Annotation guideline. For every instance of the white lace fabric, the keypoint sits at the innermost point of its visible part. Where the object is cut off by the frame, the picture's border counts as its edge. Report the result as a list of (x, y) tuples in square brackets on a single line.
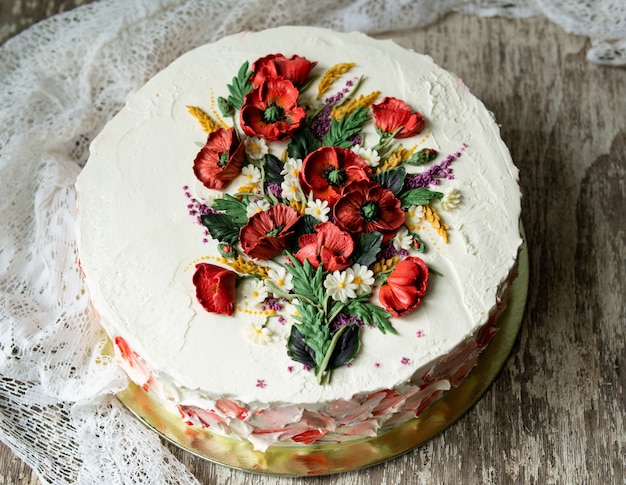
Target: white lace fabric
[(60, 82)]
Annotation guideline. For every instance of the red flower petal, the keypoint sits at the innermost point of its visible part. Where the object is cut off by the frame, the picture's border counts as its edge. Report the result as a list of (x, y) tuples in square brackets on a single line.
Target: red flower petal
[(209, 166), (329, 246), (271, 110), (268, 233), (386, 214), (295, 69), (215, 288), (405, 287), (392, 113), (328, 169)]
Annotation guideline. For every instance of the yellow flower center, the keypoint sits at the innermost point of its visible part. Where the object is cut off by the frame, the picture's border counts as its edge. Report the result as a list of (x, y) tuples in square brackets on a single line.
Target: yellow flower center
[(358, 280)]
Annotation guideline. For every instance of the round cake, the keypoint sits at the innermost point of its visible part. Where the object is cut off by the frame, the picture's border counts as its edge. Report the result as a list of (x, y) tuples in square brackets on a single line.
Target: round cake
[(299, 236)]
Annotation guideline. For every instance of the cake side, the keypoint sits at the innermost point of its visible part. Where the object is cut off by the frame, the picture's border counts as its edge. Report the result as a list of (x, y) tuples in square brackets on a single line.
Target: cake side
[(139, 247)]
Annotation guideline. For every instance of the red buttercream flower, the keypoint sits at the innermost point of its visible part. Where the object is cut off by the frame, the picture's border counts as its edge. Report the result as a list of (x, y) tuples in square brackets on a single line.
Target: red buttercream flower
[(392, 113), (268, 233), (327, 170), (329, 245), (270, 111), (366, 206), (220, 159), (215, 288), (405, 286), (295, 69)]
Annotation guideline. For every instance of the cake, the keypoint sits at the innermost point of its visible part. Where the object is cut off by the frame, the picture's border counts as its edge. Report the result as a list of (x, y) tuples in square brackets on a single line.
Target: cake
[(298, 236)]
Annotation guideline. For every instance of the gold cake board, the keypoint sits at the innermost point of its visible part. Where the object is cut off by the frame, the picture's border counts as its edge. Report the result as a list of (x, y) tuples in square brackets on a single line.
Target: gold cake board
[(329, 458)]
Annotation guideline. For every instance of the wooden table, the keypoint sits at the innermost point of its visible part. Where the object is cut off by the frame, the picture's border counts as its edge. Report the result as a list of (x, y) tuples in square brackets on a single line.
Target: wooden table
[(556, 413)]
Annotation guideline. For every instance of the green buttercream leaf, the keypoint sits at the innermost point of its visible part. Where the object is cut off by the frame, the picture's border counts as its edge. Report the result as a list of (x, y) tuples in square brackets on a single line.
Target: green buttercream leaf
[(392, 179), (367, 248), (222, 228), (342, 132), (419, 196), (346, 347), (372, 315), (240, 87), (421, 157), (302, 143), (272, 166), (233, 207)]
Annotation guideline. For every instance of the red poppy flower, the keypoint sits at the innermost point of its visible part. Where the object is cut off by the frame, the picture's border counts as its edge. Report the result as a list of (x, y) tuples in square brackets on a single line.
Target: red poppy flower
[(405, 286), (327, 170), (220, 159), (296, 69), (268, 233), (329, 245), (215, 288), (366, 206), (392, 113), (270, 111)]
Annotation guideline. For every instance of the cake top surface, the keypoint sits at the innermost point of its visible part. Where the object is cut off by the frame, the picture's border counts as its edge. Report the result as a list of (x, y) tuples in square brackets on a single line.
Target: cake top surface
[(151, 268)]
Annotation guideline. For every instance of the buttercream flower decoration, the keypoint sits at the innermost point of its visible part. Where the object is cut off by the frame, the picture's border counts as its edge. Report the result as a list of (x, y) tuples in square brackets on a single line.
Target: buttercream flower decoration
[(220, 160), (256, 148), (215, 288), (366, 207), (270, 111), (268, 233), (259, 334), (405, 286), (291, 189), (327, 170), (295, 69), (371, 156), (280, 279), (340, 286), (394, 117), (403, 239), (251, 173), (317, 208), (258, 292), (291, 168), (363, 278), (313, 231), (256, 206), (451, 199), (328, 245)]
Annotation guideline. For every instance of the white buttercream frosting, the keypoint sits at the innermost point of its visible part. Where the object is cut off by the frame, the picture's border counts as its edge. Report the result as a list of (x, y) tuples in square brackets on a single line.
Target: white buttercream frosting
[(138, 244)]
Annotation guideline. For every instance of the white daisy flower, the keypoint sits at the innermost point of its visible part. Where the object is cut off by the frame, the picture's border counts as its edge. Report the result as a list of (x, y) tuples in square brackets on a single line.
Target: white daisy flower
[(340, 286), (256, 148), (251, 173), (403, 239), (258, 333), (291, 167), (256, 206), (318, 209), (451, 199), (258, 291), (414, 216), (370, 156), (281, 279), (363, 278), (291, 189)]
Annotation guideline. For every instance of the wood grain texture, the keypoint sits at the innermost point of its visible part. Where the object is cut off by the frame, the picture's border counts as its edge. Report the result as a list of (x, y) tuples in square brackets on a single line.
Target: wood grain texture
[(556, 412)]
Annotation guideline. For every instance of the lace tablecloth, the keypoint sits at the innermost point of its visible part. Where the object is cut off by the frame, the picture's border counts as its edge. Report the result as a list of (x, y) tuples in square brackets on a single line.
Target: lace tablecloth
[(60, 82)]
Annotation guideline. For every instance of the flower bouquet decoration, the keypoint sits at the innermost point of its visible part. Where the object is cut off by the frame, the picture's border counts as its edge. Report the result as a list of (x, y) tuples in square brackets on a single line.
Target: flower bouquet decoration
[(339, 216)]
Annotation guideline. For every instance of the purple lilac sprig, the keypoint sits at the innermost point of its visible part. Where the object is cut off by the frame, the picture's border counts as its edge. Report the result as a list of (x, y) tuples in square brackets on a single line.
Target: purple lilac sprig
[(198, 208), (321, 124), (434, 174), (342, 320)]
